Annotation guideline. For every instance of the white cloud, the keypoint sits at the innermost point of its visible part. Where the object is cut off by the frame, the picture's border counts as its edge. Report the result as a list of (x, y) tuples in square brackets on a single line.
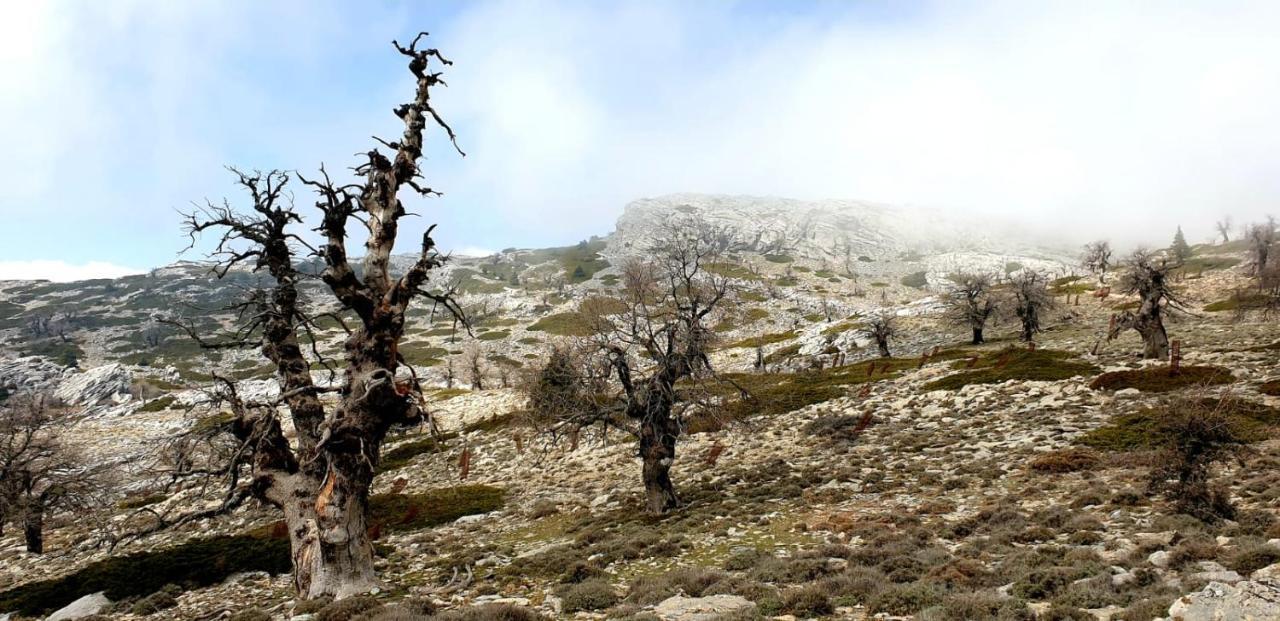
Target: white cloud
[(1101, 118), (473, 251), (61, 271)]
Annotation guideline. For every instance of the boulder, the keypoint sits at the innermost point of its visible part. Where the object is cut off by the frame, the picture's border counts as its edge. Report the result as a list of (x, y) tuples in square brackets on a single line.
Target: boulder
[(708, 608), (1245, 601), (83, 607), (107, 383)]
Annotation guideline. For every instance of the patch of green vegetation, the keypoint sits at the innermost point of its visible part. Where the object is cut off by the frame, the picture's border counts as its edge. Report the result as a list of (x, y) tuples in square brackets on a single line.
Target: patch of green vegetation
[(842, 327), (445, 394), (802, 269), (915, 280), (402, 454), (1159, 379), (405, 512), (1207, 264), (879, 285), (529, 340), (1012, 266), (66, 353), (582, 261), (778, 258), (1014, 363), (783, 353), (496, 335), (421, 355), (196, 563), (779, 393), (785, 281), (1150, 427), (1248, 301), (755, 314), (157, 405), (866, 259), (763, 339), (563, 324), (752, 296)]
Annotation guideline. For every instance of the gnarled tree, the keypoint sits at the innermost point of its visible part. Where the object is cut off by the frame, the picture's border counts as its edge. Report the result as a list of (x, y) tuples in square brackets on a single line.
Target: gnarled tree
[(1031, 299), (1147, 277), (320, 481), (646, 369), (882, 327), (1097, 259), (39, 473), (970, 303)]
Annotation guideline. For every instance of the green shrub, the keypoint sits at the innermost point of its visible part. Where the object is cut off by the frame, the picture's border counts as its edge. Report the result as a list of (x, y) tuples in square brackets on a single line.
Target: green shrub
[(490, 612), (1158, 379), (807, 601), (140, 501), (590, 595), (905, 599), (401, 512), (163, 599), (1066, 460), (916, 280), (347, 609), (197, 563), (762, 340), (402, 454), (159, 404)]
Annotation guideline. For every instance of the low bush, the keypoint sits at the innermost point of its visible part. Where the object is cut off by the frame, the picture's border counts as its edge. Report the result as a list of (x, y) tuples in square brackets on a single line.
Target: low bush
[(807, 601), (1159, 379), (490, 612), (1014, 363), (348, 608), (590, 595), (1066, 460)]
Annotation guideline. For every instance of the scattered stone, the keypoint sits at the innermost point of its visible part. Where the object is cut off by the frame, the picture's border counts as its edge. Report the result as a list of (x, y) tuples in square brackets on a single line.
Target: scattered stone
[(679, 608)]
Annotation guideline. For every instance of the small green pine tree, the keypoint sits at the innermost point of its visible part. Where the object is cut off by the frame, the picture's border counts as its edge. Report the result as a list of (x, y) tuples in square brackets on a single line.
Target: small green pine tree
[(1180, 250)]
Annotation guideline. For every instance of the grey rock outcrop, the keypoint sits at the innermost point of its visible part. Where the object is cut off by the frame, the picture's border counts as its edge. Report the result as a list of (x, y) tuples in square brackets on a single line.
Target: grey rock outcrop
[(1244, 601), (105, 385), (83, 607), (708, 608)]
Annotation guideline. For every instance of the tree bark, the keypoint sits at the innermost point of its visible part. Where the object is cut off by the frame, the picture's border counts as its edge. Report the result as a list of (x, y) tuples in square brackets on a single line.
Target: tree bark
[(33, 524), (1154, 338), (883, 345), (977, 336), (658, 450)]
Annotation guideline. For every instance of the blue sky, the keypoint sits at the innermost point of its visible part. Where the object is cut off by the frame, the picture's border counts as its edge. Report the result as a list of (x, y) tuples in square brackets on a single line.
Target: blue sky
[(1084, 118)]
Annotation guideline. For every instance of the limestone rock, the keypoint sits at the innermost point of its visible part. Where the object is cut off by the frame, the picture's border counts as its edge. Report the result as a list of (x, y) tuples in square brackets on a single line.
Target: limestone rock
[(1245, 601), (83, 607), (708, 608), (107, 384)]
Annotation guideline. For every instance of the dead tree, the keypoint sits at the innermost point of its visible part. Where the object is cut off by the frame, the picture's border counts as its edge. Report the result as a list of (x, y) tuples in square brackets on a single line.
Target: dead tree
[(654, 340), (971, 303), (1261, 237), (1031, 298), (39, 474), (882, 328), (1147, 277), (1223, 227), (320, 481), (1097, 259), (475, 366)]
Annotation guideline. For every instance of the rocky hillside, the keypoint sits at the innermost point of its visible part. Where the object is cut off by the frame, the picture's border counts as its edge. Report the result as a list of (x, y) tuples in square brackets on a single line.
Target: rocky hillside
[(975, 482)]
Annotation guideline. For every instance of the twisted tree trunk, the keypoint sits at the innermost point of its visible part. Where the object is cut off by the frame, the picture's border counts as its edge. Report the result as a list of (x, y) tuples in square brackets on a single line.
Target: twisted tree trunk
[(33, 524), (658, 451)]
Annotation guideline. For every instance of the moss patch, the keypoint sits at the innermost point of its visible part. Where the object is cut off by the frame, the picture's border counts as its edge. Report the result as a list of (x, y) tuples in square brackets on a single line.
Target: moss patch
[(401, 512), (1249, 301), (563, 324), (198, 563), (763, 339), (1158, 379), (1148, 428), (1015, 364)]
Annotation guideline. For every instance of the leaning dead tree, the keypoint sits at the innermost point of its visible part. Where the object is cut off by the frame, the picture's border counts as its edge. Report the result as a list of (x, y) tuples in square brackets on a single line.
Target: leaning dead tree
[(1097, 259), (39, 473), (970, 303), (1147, 277), (320, 481), (646, 369), (1031, 298), (1223, 227), (882, 328)]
